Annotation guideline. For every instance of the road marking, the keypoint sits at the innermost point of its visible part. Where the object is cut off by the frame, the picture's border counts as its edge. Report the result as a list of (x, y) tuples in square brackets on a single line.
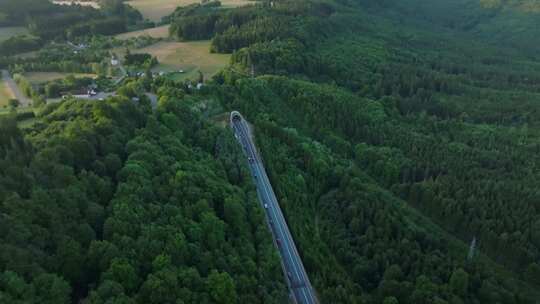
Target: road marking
[(272, 209), (257, 167), (248, 146)]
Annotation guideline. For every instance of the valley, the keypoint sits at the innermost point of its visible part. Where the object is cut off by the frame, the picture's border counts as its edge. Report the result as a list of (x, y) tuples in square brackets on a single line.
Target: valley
[(391, 155)]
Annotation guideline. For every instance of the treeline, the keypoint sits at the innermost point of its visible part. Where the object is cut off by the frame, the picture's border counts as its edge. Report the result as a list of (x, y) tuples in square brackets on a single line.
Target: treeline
[(285, 57), (202, 21), (92, 58), (232, 30), (258, 30), (19, 44), (140, 60), (16, 12), (54, 23), (109, 26), (84, 55), (56, 88)]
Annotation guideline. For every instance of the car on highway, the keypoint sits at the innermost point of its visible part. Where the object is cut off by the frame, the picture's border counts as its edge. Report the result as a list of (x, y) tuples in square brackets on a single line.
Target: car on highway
[(290, 259)]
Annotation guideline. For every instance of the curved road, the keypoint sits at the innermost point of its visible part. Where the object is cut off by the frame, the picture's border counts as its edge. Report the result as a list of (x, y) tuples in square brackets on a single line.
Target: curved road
[(301, 290)]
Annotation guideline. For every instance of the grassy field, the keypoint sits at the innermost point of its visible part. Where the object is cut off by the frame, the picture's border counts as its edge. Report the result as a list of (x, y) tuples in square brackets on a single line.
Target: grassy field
[(190, 57), (156, 32), (93, 4), (27, 55), (155, 9), (41, 77), (5, 94), (7, 32)]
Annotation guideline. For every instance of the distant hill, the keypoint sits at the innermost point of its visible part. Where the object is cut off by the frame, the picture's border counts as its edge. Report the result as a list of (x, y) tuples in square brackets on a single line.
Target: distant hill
[(512, 22), (526, 6)]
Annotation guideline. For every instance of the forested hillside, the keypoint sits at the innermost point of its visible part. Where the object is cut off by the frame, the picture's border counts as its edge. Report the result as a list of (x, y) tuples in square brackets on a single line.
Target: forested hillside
[(91, 209), (392, 140), (503, 23), (447, 124)]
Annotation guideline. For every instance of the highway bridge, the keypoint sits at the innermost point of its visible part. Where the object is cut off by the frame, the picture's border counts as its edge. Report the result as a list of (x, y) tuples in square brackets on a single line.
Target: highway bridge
[(295, 274)]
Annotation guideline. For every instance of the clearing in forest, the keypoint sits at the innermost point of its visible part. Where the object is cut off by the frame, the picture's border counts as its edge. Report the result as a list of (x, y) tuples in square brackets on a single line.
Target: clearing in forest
[(190, 57), (155, 32)]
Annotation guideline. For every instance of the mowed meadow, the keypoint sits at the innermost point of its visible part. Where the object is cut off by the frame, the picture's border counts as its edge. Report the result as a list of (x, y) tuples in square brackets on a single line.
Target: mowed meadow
[(190, 57), (8, 32), (154, 32)]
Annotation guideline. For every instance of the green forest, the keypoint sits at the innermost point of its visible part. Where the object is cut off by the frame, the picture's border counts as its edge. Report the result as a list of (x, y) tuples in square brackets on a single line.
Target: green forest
[(394, 134)]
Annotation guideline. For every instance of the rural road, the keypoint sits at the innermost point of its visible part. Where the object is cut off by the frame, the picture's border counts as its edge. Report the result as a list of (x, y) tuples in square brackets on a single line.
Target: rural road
[(24, 101), (301, 290)]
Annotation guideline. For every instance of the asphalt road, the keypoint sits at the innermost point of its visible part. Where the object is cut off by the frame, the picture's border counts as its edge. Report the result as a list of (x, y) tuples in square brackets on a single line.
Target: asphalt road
[(24, 101), (301, 290)]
